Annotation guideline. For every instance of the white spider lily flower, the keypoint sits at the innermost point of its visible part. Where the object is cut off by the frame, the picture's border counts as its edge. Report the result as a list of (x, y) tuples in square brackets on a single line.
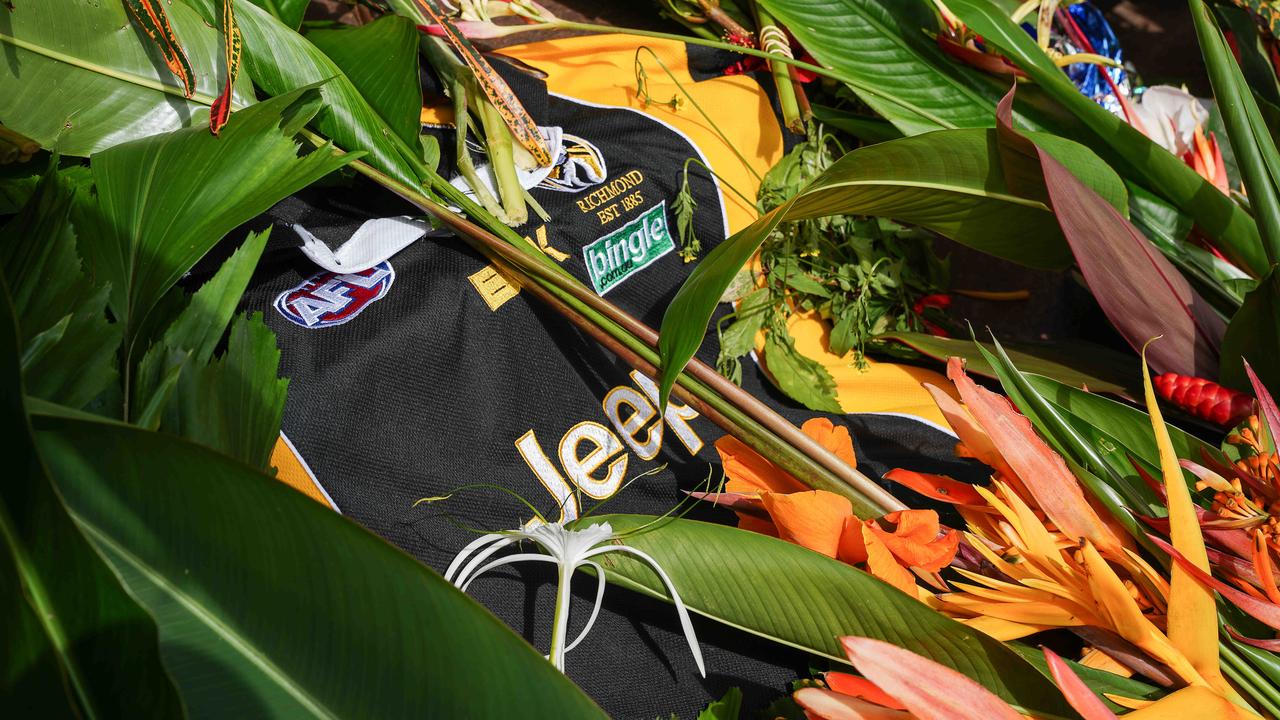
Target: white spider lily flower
[(569, 549), (1170, 116)]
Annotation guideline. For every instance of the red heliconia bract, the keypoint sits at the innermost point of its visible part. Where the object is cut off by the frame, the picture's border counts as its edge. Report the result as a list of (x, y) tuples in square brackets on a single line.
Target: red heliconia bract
[(1204, 399)]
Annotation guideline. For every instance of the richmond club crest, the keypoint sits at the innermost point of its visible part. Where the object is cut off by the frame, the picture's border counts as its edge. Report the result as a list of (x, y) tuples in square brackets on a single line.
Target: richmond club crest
[(328, 298)]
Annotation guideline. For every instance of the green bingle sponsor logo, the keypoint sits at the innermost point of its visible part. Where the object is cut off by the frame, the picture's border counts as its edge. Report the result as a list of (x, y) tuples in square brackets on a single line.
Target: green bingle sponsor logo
[(628, 250)]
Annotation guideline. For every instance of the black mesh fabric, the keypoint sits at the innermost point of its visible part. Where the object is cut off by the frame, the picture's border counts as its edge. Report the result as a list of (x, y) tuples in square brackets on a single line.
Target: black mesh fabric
[(428, 388)]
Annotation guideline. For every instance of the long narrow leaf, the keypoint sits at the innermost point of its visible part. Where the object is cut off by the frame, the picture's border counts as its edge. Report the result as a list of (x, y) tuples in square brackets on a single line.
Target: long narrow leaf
[(1255, 152), (1142, 294), (272, 605), (1132, 153)]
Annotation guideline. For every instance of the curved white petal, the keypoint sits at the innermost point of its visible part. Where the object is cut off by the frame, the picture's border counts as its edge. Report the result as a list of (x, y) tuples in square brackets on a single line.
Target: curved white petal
[(595, 610), (465, 575), (685, 624), (470, 548), (506, 560)]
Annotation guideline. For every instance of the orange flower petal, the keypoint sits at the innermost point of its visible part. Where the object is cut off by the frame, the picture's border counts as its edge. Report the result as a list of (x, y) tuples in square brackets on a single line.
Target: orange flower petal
[(852, 548), (1044, 474), (882, 564), (822, 704), (832, 437), (860, 687), (937, 487), (748, 472), (915, 542), (814, 519), (976, 441)]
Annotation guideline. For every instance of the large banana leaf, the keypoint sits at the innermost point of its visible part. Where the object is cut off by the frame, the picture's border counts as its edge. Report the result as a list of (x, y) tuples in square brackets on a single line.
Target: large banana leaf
[(162, 202), (901, 74), (950, 181), (289, 12), (79, 75), (381, 60), (270, 605), (75, 644), (1131, 152), (280, 61), (804, 599)]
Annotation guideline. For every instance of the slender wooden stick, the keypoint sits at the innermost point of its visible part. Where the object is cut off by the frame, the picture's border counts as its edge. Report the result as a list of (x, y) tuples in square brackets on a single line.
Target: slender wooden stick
[(818, 466)]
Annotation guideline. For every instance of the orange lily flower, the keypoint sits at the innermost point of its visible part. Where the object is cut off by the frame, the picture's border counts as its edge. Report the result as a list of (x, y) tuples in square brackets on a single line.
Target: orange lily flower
[(770, 501)]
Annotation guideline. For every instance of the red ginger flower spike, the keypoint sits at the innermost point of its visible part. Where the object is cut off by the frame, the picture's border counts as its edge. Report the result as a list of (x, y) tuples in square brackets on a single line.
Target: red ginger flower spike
[(1204, 399)]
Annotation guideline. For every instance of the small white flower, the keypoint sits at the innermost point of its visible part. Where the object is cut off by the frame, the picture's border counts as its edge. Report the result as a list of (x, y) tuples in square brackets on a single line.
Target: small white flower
[(1170, 116), (569, 549)]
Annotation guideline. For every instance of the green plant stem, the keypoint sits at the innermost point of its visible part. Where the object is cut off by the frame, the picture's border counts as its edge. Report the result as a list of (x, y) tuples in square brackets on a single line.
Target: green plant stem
[(1239, 671), (1255, 152), (787, 99), (560, 626), (502, 162)]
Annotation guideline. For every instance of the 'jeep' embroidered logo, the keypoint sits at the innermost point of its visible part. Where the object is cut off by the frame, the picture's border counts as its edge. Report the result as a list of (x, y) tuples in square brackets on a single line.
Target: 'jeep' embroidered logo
[(628, 250), (328, 298)]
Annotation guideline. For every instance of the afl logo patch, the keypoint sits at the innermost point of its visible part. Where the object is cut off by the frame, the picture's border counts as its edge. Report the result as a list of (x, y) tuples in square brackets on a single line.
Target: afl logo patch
[(328, 298)]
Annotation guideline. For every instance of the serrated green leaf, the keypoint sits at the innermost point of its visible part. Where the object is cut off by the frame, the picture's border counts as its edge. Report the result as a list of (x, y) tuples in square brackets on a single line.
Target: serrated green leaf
[(801, 378), (42, 267), (162, 202)]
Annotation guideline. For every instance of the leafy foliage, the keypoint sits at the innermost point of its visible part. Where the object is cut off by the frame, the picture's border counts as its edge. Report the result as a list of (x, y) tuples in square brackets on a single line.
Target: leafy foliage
[(112, 86), (272, 605), (730, 575), (67, 621), (951, 182), (69, 347)]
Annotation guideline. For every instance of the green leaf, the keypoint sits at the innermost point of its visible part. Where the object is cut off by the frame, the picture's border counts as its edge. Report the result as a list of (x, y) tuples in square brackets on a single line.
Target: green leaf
[(1076, 363), (901, 73), (272, 605), (61, 311), (797, 597), (164, 201), (1127, 149), (801, 378), (75, 643), (1251, 143), (111, 85), (381, 61), (1100, 681), (1218, 281), (867, 129), (728, 707), (949, 181), (235, 403), (289, 12), (1254, 335), (281, 61)]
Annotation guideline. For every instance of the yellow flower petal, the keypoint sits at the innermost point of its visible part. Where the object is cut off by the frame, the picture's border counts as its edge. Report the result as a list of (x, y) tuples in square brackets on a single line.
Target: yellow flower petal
[(1193, 615), (1191, 702)]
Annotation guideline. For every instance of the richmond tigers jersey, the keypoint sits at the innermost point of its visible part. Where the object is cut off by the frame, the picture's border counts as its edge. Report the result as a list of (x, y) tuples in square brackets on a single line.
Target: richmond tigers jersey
[(430, 370)]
